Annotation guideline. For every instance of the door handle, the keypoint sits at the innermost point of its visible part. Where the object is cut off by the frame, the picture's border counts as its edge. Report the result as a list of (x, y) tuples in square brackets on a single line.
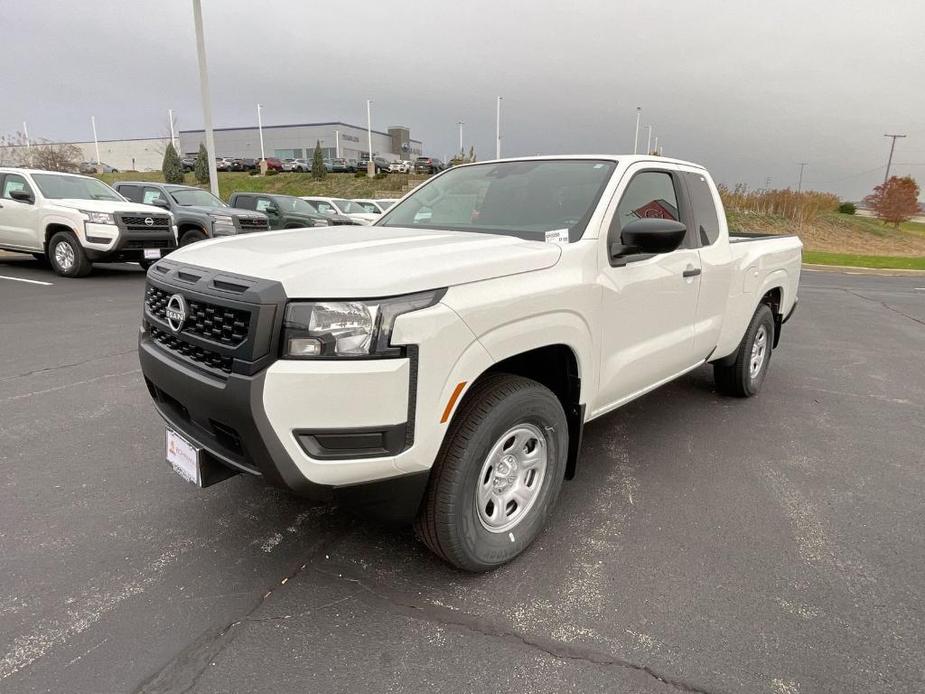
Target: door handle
[(691, 272)]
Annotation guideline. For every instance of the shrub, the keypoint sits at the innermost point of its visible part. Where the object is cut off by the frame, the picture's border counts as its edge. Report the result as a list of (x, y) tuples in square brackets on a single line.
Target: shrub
[(847, 208), (172, 168), (784, 203), (201, 169), (318, 169), (380, 176), (272, 172), (360, 174)]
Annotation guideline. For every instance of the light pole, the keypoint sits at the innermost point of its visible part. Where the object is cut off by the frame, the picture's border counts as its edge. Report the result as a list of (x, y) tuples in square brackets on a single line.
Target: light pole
[(263, 157), (370, 166), (498, 131), (636, 138), (337, 143), (800, 183), (25, 132), (173, 137), (96, 144), (889, 162), (656, 145), (206, 100), (460, 124), (649, 142)]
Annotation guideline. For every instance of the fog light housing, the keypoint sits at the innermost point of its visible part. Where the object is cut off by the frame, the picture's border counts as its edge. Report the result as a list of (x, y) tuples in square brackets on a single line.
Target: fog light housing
[(304, 347)]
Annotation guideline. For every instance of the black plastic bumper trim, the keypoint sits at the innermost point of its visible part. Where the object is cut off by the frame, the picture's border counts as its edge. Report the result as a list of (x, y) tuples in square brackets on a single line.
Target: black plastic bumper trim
[(346, 444)]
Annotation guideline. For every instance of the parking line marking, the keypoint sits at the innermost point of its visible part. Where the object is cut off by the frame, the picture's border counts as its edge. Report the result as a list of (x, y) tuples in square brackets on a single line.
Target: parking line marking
[(20, 279)]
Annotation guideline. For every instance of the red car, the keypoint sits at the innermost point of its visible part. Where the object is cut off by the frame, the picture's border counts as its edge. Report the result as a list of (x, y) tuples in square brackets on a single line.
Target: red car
[(274, 163)]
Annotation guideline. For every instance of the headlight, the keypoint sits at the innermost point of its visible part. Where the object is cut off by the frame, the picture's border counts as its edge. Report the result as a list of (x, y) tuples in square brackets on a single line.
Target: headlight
[(222, 225), (99, 217), (329, 329)]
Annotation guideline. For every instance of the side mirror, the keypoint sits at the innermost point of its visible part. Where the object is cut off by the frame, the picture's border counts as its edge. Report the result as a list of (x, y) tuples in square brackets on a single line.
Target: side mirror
[(160, 202), (272, 210), (22, 196), (648, 235)]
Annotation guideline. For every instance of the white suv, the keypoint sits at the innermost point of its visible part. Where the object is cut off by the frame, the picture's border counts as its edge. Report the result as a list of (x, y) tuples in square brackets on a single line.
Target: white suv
[(74, 221)]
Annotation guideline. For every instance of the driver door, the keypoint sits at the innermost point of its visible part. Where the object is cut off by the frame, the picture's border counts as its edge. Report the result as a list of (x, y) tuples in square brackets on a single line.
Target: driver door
[(650, 303), (17, 218)]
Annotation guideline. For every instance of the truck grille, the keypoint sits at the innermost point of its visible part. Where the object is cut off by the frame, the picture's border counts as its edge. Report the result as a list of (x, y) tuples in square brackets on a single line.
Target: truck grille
[(133, 222), (194, 353), (253, 224), (226, 326)]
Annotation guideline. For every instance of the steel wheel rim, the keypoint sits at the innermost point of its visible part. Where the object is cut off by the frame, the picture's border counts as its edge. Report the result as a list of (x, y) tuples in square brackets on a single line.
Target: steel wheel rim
[(64, 255), (759, 352), (511, 478)]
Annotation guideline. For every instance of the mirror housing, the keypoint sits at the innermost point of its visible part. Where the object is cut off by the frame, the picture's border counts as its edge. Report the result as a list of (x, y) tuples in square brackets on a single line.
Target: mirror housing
[(647, 235), (22, 196), (160, 202)]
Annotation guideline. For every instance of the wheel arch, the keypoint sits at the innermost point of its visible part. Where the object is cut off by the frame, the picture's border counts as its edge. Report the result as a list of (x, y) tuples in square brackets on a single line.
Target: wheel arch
[(52, 228)]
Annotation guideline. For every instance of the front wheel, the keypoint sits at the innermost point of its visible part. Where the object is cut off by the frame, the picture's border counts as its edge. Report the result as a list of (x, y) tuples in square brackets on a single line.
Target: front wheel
[(192, 236), (67, 256), (498, 473), (743, 377)]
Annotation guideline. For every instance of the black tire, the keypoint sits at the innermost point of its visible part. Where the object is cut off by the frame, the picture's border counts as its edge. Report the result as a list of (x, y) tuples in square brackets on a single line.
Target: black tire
[(736, 378), (192, 236), (449, 521), (80, 266), (145, 264)]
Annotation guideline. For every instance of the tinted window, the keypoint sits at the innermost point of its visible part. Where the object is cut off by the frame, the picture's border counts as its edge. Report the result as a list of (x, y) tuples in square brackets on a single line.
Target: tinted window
[(246, 202), (649, 194), (704, 208), (14, 182), (152, 194), (263, 204), (133, 193)]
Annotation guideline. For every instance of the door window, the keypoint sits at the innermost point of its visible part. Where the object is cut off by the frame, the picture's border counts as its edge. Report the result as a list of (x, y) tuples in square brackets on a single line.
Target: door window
[(14, 182), (246, 202), (704, 207), (152, 194), (264, 204), (650, 194), (132, 193)]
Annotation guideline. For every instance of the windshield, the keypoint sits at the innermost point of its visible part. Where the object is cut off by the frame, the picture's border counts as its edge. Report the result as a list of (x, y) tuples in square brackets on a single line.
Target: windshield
[(296, 205), (515, 198), (57, 187), (191, 196), (348, 207)]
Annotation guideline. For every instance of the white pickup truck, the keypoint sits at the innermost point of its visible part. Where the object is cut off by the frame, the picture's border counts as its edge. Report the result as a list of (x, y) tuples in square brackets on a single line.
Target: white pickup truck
[(440, 365), (74, 221)]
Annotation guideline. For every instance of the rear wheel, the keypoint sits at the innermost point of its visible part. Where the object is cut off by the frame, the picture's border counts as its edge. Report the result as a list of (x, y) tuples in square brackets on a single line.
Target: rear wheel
[(743, 377), (67, 256), (498, 473)]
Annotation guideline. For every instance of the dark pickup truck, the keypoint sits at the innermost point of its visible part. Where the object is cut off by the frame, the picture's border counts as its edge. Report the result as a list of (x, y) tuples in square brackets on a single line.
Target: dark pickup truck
[(283, 211), (199, 214)]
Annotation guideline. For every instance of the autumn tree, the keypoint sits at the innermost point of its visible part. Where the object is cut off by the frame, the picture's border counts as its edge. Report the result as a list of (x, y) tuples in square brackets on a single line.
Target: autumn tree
[(895, 201), (39, 154)]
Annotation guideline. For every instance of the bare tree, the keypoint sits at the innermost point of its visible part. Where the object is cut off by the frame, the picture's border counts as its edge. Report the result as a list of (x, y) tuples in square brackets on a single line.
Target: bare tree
[(40, 153)]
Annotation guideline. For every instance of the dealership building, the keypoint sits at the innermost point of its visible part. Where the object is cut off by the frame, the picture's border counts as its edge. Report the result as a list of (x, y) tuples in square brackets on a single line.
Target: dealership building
[(297, 141)]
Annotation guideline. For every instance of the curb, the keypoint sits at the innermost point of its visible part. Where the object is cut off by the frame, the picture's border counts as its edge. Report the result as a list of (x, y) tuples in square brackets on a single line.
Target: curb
[(855, 270)]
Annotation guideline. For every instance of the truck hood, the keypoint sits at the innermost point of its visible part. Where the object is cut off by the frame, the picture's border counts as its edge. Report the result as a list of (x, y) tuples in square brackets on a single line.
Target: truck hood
[(227, 211), (108, 206), (361, 261)]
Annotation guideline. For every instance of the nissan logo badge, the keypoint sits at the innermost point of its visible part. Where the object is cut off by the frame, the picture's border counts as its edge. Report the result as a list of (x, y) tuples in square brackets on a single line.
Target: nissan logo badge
[(149, 223), (176, 312)]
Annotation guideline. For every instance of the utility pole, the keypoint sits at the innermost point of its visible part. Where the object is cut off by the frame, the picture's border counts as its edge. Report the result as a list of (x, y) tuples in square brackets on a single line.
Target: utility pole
[(173, 137), (498, 132), (206, 99), (889, 162), (460, 124), (656, 145), (636, 139), (800, 184), (371, 166), (99, 163), (649, 142)]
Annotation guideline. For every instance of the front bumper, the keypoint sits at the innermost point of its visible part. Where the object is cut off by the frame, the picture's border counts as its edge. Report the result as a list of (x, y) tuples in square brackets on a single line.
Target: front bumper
[(109, 243)]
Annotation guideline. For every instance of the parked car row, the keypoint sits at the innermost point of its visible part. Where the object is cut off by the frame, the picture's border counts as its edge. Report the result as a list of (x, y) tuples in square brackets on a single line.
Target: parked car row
[(72, 221)]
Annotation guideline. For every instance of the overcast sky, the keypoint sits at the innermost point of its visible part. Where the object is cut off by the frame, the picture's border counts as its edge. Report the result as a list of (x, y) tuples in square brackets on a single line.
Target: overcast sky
[(747, 88)]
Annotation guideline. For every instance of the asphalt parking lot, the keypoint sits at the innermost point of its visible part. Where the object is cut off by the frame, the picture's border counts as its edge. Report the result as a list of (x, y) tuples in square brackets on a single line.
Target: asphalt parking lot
[(707, 544)]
